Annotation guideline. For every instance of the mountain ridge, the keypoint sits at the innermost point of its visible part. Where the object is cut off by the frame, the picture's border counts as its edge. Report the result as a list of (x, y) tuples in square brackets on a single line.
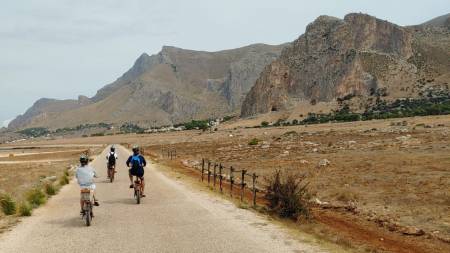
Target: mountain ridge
[(359, 56), (172, 86)]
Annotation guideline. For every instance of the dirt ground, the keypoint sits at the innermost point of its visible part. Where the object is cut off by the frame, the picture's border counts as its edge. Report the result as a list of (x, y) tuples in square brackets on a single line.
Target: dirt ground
[(395, 174)]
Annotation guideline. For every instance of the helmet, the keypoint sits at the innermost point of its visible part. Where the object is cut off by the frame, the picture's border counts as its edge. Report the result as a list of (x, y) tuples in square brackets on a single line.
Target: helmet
[(113, 149), (84, 159), (135, 149)]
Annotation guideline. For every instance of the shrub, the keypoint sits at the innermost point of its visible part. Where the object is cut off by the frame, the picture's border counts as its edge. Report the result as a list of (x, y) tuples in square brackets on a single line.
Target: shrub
[(287, 195), (36, 197), (253, 142), (264, 124), (50, 189), (64, 180), (25, 209), (7, 204)]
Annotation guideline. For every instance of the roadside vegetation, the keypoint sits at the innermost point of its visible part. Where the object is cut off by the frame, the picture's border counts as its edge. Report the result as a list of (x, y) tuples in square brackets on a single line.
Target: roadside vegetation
[(287, 195), (7, 204)]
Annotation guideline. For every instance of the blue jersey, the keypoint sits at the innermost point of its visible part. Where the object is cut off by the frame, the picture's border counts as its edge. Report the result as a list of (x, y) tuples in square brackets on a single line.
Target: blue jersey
[(136, 162)]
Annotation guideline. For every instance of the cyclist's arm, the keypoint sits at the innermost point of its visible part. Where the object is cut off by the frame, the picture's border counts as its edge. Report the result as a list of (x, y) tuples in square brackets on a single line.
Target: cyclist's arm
[(144, 162), (128, 161)]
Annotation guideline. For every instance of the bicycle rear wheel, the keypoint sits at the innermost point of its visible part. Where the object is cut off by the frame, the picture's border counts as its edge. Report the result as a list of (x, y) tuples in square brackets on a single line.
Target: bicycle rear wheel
[(137, 196), (111, 175), (88, 215)]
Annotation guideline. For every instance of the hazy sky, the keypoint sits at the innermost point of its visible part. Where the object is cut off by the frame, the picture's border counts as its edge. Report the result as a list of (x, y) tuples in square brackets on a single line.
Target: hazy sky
[(63, 48)]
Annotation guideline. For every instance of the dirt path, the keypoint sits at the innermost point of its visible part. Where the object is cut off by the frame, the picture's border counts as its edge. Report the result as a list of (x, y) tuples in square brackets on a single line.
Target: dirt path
[(171, 218)]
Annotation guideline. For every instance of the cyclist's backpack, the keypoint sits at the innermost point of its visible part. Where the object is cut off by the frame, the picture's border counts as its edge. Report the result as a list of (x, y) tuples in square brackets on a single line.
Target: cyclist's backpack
[(112, 159), (135, 162)]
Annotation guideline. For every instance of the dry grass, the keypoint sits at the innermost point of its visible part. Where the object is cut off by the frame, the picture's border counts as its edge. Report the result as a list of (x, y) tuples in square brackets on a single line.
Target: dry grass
[(385, 169)]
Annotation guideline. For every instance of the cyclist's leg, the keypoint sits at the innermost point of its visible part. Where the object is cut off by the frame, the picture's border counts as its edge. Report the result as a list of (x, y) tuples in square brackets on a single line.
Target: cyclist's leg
[(142, 185), (131, 178)]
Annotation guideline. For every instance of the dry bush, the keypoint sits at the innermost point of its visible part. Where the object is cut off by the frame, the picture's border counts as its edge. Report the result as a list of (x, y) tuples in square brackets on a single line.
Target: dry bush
[(64, 180), (288, 195), (50, 189), (25, 209), (36, 197)]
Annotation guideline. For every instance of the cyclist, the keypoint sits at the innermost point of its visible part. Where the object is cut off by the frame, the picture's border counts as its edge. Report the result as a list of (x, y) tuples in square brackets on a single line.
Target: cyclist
[(85, 176), (111, 158), (136, 163)]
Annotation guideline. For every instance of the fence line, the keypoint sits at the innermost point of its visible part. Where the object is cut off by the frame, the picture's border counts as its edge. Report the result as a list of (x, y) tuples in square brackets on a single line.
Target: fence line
[(170, 153), (215, 171)]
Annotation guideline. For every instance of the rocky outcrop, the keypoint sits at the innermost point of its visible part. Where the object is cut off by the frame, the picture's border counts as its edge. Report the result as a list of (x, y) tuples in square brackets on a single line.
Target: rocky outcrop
[(173, 86), (358, 56)]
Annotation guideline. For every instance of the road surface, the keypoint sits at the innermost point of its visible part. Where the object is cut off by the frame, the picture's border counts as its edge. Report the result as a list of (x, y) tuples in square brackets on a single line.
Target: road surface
[(172, 218)]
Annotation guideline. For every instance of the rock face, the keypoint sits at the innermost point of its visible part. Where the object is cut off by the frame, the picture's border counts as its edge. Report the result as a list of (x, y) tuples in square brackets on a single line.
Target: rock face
[(357, 56), (172, 86)]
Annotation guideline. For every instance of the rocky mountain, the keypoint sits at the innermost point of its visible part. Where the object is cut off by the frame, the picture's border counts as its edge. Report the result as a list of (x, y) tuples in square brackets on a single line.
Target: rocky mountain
[(173, 86), (441, 21), (358, 57)]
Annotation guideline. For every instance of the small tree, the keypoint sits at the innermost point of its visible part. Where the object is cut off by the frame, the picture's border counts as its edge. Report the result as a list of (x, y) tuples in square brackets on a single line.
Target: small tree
[(264, 124)]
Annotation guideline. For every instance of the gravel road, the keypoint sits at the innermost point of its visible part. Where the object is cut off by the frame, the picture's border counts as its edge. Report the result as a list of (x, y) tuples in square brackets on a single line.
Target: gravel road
[(172, 218)]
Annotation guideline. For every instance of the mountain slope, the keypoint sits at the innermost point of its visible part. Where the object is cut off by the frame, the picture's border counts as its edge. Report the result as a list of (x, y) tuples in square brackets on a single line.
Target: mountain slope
[(172, 86), (360, 56)]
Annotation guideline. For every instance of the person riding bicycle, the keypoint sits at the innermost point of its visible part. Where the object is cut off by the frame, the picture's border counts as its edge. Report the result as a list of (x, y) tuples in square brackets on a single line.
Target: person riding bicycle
[(111, 159), (136, 163), (85, 176)]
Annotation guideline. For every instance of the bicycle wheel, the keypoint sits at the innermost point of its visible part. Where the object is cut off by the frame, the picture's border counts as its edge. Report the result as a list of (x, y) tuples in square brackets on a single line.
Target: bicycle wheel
[(88, 215), (137, 195), (111, 175)]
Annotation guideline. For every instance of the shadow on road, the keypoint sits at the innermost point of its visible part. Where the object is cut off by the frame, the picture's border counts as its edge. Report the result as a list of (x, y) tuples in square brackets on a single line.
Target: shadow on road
[(74, 222), (126, 201)]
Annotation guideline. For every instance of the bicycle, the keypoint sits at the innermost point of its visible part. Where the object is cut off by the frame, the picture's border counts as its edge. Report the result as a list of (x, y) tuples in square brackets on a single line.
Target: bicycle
[(111, 172), (88, 212), (137, 190)]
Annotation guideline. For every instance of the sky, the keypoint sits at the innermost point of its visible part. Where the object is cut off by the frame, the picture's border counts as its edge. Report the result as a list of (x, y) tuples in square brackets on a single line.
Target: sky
[(65, 48)]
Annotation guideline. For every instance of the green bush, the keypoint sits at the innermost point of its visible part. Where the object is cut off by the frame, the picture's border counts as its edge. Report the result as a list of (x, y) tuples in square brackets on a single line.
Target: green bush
[(50, 189), (25, 209), (287, 195), (97, 134), (36, 197), (35, 132), (197, 124), (7, 204), (253, 142), (264, 124)]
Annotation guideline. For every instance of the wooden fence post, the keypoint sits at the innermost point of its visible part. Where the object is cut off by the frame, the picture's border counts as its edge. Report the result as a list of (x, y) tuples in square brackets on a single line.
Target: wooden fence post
[(243, 184), (231, 181), (203, 167), (220, 178), (168, 153), (214, 176), (209, 172), (254, 189)]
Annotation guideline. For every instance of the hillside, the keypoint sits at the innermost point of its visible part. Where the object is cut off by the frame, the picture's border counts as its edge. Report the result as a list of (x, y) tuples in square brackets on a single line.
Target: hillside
[(172, 86), (361, 59)]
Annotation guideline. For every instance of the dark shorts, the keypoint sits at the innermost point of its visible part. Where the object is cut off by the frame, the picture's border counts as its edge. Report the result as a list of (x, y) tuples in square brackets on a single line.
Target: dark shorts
[(136, 172)]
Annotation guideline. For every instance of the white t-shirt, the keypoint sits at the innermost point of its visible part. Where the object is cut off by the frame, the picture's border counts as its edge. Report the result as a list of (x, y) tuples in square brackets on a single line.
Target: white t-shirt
[(85, 176), (111, 153)]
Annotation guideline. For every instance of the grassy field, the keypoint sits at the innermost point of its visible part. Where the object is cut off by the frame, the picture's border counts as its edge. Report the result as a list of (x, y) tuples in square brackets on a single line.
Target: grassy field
[(27, 172)]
